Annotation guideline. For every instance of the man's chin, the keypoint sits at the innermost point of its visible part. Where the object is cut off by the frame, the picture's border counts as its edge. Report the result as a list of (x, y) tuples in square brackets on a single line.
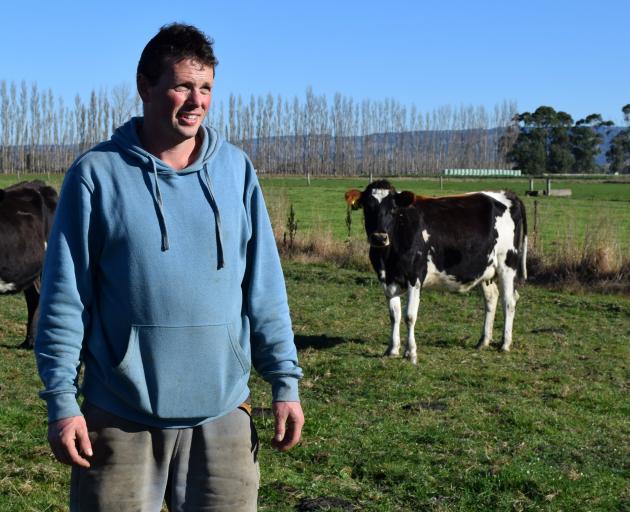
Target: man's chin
[(187, 132)]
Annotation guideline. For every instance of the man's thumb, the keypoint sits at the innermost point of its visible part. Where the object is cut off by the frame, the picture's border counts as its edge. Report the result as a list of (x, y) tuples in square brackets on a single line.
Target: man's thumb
[(280, 426)]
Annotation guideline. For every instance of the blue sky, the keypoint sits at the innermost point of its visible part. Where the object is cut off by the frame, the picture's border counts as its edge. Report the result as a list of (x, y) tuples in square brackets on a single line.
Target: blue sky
[(571, 55)]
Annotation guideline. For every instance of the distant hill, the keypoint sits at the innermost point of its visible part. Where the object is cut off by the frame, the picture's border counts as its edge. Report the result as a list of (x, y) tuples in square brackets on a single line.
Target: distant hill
[(415, 153), (479, 145)]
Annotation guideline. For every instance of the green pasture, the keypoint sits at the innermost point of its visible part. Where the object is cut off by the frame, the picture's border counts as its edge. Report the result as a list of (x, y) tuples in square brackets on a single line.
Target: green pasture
[(545, 427), (542, 428), (54, 179), (596, 208)]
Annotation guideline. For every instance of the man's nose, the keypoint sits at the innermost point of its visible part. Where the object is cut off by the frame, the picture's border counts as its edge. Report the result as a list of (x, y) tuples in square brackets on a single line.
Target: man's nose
[(195, 97)]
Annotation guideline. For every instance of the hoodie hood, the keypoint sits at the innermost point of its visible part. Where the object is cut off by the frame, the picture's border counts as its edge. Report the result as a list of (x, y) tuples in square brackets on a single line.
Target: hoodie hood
[(127, 139)]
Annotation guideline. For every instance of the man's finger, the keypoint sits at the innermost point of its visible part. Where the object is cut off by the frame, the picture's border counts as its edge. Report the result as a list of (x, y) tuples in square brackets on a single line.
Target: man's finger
[(84, 442), (75, 458), (60, 454), (291, 437)]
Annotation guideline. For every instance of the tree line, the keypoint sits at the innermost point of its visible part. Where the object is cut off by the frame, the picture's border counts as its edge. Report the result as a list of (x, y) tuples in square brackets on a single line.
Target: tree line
[(345, 137), (315, 135), (552, 142), (618, 154), (40, 133)]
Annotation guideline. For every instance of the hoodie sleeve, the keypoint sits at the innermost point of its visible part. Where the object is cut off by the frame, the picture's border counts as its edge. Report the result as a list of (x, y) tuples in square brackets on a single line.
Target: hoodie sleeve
[(65, 300), (274, 354)]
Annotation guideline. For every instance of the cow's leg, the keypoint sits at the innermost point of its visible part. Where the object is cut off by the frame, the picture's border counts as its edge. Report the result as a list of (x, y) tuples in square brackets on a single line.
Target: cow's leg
[(32, 304), (412, 315), (509, 298), (490, 292), (395, 315)]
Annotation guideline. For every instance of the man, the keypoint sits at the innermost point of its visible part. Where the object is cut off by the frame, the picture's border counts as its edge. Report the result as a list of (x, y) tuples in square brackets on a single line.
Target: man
[(162, 278)]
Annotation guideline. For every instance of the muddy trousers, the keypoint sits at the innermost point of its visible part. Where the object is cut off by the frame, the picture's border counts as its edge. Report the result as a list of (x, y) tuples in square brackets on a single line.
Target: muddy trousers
[(212, 467)]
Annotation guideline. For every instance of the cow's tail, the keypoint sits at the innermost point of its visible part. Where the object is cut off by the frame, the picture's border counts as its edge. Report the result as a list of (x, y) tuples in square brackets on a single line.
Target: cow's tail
[(519, 217)]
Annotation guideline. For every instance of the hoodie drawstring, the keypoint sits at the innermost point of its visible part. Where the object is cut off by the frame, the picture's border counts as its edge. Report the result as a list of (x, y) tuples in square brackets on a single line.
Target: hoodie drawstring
[(155, 183), (158, 200), (217, 217)]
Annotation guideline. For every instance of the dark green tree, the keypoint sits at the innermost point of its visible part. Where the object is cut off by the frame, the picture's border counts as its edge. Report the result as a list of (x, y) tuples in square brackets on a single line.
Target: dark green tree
[(543, 143), (549, 141), (560, 158), (618, 154), (585, 143), (528, 152)]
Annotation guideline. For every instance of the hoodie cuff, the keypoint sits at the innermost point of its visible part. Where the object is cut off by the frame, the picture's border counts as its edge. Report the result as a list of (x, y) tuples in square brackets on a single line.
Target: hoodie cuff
[(62, 405), (285, 389)]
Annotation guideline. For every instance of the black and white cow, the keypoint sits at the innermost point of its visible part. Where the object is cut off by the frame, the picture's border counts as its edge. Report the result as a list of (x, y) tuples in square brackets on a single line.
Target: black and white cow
[(26, 213), (452, 242)]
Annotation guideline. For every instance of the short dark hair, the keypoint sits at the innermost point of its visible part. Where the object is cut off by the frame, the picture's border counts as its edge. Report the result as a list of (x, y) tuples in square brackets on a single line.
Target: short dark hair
[(175, 41)]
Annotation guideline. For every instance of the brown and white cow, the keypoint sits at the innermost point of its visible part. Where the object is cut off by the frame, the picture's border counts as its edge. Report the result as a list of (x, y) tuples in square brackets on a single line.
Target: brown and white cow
[(26, 212), (452, 242)]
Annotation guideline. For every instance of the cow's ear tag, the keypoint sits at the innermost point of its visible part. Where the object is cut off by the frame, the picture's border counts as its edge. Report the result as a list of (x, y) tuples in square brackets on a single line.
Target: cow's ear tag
[(405, 198), (353, 198)]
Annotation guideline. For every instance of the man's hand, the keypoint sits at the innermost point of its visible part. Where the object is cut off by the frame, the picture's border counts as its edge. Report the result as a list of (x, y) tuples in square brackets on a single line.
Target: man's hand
[(289, 421), (69, 441)]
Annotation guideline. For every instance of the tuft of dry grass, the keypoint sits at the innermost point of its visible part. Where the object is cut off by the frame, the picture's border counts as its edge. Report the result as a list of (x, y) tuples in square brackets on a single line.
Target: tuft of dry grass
[(313, 246), (319, 247), (596, 259)]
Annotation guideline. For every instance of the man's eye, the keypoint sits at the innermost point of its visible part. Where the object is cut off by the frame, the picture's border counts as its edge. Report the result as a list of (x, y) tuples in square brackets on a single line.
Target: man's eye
[(181, 88)]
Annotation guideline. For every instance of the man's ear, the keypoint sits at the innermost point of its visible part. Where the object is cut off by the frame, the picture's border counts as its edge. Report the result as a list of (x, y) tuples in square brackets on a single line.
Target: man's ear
[(353, 198), (143, 85), (404, 199)]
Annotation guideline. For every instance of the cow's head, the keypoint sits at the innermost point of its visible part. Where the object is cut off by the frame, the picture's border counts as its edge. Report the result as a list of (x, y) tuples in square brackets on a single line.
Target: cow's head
[(381, 208)]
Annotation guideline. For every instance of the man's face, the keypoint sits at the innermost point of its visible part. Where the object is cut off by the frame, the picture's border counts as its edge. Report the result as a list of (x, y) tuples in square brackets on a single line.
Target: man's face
[(178, 103)]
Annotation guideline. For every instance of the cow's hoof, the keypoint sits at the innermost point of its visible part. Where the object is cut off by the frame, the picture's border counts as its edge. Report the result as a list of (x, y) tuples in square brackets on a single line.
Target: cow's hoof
[(504, 348), (482, 344), (389, 353)]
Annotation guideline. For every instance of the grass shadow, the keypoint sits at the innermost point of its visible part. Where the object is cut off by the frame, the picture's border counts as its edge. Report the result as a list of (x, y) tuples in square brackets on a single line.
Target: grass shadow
[(16, 347), (460, 342), (319, 342)]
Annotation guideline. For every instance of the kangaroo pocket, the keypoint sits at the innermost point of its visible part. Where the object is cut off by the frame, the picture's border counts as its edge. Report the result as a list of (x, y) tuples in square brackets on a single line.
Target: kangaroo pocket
[(181, 372)]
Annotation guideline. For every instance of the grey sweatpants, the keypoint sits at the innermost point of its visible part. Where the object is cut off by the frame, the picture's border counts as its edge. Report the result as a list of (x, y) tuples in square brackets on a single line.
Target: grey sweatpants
[(212, 467)]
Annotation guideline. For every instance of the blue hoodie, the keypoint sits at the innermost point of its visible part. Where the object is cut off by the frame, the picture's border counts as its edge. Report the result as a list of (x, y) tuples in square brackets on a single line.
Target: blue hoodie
[(167, 286)]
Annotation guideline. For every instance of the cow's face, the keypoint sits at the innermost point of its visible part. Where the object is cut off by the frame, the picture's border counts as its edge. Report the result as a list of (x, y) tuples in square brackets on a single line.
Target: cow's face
[(380, 217), (381, 205)]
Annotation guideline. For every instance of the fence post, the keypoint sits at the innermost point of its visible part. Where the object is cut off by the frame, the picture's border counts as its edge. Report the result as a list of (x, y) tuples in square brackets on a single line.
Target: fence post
[(536, 224), (548, 186), (531, 184)]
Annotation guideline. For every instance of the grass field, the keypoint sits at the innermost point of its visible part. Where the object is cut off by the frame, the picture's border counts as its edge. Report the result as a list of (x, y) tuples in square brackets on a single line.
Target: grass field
[(320, 207), (593, 205), (545, 427)]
